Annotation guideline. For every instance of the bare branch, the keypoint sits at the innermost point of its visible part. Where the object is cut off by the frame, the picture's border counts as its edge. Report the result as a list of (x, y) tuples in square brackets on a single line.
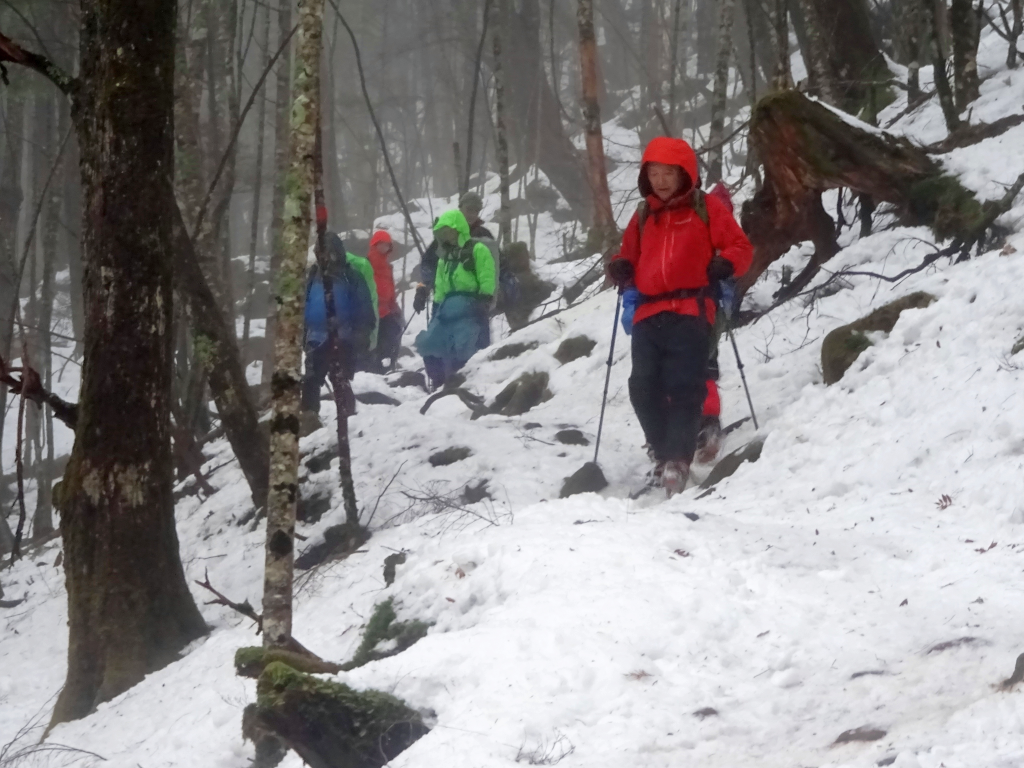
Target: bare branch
[(13, 53), (243, 608)]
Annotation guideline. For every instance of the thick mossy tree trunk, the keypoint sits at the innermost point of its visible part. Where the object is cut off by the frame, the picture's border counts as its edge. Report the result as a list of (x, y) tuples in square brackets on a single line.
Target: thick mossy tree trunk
[(129, 608), (290, 297), (808, 149)]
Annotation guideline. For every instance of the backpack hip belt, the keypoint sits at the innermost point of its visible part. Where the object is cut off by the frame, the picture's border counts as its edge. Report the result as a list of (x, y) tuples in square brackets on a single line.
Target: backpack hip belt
[(700, 294)]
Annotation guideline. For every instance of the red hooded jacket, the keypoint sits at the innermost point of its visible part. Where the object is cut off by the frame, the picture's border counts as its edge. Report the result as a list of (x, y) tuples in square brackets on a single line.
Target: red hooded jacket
[(677, 246), (382, 274)]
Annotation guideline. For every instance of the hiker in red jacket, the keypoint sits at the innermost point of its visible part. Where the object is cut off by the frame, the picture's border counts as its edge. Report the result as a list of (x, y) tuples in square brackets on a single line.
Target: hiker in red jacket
[(678, 243), (391, 321)]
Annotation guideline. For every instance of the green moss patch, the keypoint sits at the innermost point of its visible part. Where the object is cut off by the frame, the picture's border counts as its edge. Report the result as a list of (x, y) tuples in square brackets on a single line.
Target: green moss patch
[(385, 637)]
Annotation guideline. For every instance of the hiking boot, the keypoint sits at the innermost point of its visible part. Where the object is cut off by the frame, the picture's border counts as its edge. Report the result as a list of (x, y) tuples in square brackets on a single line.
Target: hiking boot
[(309, 422), (709, 440), (674, 477)]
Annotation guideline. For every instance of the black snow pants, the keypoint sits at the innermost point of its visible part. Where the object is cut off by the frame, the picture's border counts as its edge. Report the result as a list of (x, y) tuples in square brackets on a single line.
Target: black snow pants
[(666, 387)]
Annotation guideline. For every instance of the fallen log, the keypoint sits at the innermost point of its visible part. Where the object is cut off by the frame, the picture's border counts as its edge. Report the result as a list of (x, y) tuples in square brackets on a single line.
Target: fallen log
[(808, 148)]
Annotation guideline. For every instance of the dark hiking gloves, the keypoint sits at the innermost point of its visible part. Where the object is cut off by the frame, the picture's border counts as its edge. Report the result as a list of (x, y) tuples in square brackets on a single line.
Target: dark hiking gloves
[(620, 272), (719, 269), (419, 302)]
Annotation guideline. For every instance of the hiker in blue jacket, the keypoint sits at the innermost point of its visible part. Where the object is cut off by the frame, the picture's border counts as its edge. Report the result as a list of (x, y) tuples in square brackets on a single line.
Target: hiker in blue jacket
[(356, 320)]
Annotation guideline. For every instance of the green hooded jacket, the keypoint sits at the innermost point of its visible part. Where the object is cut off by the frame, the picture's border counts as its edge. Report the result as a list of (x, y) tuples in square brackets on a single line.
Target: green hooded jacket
[(452, 273), (363, 267)]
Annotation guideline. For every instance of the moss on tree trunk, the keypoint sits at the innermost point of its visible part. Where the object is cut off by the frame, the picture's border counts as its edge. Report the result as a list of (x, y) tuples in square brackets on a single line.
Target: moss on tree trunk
[(129, 608)]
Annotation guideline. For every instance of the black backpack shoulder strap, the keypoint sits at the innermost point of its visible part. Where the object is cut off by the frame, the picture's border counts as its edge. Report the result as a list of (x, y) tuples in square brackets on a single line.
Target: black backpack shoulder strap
[(700, 206)]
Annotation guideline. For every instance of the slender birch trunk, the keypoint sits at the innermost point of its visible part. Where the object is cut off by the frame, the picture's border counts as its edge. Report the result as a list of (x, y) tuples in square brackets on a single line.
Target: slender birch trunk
[(290, 299), (257, 191), (281, 133), (716, 135), (501, 131)]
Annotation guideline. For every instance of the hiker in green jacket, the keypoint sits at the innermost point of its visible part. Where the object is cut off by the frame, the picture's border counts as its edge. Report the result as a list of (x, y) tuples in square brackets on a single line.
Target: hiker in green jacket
[(463, 289)]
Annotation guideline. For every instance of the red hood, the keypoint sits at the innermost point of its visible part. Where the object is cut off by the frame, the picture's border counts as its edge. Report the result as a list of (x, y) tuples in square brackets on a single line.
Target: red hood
[(670, 152), (380, 236)]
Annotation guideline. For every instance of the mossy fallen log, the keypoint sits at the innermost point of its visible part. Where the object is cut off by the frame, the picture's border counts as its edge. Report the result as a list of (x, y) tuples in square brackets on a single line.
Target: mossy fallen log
[(329, 724)]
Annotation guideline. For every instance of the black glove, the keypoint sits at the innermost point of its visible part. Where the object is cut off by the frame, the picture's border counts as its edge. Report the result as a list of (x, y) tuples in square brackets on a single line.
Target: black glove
[(719, 269), (620, 272), (419, 303)]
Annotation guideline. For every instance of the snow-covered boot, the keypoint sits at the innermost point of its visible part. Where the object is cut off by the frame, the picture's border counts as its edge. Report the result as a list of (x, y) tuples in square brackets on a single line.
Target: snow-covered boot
[(709, 440), (674, 476)]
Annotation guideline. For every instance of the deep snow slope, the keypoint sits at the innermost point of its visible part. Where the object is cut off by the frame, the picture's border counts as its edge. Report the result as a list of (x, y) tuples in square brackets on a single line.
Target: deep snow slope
[(825, 588)]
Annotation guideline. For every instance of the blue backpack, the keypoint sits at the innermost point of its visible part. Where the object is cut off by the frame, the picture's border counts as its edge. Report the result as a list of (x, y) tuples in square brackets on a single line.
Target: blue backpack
[(353, 306)]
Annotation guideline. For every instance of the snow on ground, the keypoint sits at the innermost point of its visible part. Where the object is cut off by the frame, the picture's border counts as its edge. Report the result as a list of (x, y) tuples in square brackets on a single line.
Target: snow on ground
[(824, 588)]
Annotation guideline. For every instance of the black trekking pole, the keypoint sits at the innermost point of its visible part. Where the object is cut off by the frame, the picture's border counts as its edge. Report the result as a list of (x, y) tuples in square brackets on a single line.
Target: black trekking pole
[(739, 364), (608, 374)]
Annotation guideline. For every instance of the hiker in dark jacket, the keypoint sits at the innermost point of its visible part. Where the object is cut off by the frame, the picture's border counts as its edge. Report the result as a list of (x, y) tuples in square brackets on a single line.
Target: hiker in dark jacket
[(688, 241), (355, 328)]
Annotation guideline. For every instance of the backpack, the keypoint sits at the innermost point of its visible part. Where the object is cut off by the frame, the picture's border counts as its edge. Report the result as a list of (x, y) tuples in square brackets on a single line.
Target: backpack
[(353, 304)]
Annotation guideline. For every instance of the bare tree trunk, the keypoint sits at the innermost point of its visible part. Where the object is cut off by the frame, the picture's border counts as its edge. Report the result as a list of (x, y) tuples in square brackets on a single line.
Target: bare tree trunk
[(965, 23), (130, 611), (679, 28), (716, 135), (257, 191), (283, 100), (11, 199), (783, 78), (1016, 29), (504, 213), (910, 21), (942, 87), (604, 232), (816, 54), (290, 298), (42, 521)]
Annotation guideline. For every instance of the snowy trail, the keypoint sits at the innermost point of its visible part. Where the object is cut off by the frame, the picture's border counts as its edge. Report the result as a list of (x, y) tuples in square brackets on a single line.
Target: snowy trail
[(824, 588)]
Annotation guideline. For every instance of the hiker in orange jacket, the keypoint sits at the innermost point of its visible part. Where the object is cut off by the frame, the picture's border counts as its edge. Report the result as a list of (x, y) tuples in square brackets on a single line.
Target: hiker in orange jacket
[(687, 241), (389, 339)]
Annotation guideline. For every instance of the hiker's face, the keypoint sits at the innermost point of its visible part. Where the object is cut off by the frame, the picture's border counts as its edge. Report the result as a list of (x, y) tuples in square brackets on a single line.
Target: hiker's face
[(665, 179), (386, 248), (472, 215), (448, 236)]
